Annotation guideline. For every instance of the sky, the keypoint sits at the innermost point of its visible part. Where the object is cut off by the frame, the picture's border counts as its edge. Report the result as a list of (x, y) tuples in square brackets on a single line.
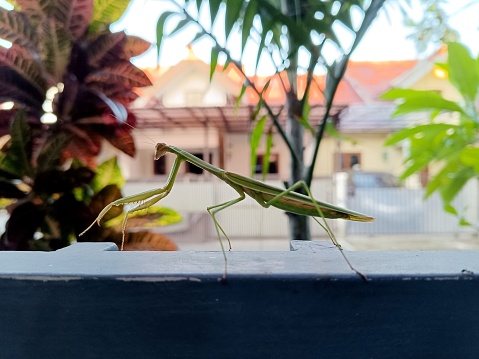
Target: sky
[(384, 41)]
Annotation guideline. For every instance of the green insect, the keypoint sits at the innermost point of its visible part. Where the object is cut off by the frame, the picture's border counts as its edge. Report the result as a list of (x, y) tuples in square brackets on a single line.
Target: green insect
[(266, 195)]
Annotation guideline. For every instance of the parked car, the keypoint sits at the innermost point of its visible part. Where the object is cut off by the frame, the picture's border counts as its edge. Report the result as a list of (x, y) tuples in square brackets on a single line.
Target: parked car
[(360, 179)]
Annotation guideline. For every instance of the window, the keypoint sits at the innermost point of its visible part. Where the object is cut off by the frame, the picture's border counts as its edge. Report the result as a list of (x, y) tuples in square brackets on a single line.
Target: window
[(349, 160), (191, 168), (273, 164), (159, 166)]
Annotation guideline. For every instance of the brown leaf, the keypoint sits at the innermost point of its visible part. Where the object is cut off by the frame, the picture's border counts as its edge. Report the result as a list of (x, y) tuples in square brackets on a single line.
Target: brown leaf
[(123, 140), (81, 12), (103, 198), (123, 73), (135, 46), (106, 48), (148, 241)]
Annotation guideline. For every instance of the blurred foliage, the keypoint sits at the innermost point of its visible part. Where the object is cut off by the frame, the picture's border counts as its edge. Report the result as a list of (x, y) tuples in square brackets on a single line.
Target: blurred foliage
[(429, 21), (154, 216), (278, 31), (452, 143), (69, 79)]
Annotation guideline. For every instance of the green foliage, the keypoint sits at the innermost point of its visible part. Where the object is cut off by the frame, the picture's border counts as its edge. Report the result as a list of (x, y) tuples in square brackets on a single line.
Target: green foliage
[(255, 140), (154, 216), (108, 173), (106, 12), (452, 146), (432, 29)]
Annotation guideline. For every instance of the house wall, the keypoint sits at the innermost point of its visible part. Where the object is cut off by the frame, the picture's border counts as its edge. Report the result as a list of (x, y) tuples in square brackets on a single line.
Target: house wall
[(197, 140), (187, 84), (432, 82), (237, 152), (374, 156)]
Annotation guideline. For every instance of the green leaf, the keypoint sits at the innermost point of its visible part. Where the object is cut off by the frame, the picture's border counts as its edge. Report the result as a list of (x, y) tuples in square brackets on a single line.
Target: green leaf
[(333, 132), (214, 8), (428, 129), (160, 31), (180, 26), (17, 159), (418, 100), (267, 154), (52, 151), (106, 12), (255, 140), (240, 97), (233, 8), (108, 173), (213, 61), (266, 27), (450, 209), (154, 216), (457, 182), (249, 15), (470, 157), (305, 123), (442, 178), (463, 71)]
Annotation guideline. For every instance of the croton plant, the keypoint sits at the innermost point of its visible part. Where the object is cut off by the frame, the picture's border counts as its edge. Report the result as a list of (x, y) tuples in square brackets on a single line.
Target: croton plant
[(67, 80)]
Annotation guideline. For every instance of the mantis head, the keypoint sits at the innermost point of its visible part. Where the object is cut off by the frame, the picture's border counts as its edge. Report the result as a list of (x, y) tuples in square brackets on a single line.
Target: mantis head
[(160, 150)]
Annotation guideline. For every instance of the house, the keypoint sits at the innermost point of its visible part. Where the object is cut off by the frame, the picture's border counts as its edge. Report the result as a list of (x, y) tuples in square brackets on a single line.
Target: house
[(185, 109)]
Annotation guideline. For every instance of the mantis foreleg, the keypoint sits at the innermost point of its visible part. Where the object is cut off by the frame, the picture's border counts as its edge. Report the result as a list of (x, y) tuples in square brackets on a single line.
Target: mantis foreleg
[(142, 200)]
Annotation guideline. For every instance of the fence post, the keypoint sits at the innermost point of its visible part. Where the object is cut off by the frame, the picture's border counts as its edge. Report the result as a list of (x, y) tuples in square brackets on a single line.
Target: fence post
[(340, 190)]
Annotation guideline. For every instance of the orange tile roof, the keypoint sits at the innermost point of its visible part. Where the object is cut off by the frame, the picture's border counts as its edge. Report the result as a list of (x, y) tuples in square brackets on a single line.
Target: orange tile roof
[(375, 77), (363, 82)]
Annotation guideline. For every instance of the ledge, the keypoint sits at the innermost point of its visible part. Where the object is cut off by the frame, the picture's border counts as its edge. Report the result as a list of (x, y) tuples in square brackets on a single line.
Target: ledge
[(91, 301)]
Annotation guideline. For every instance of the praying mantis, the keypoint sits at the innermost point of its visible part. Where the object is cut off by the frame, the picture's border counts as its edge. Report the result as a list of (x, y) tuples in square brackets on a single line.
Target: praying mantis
[(265, 195)]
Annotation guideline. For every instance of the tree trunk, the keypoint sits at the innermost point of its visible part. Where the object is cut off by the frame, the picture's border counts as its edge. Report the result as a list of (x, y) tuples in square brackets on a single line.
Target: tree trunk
[(298, 225)]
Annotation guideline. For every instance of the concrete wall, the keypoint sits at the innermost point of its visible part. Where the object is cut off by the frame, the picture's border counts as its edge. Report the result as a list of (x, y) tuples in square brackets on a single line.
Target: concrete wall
[(90, 301)]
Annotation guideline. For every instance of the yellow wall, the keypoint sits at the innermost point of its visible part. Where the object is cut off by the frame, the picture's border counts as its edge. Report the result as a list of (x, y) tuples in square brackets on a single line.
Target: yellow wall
[(374, 156)]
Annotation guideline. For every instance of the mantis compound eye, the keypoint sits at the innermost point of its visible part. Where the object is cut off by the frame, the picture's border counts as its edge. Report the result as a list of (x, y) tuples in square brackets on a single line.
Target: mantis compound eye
[(160, 150)]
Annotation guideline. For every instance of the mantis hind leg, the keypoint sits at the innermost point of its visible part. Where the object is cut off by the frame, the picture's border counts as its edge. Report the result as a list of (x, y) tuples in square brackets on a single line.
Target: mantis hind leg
[(325, 225), (213, 210)]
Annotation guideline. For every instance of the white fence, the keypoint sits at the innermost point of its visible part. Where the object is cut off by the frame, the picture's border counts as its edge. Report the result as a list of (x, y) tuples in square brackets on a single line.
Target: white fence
[(406, 211), (397, 210), (246, 219)]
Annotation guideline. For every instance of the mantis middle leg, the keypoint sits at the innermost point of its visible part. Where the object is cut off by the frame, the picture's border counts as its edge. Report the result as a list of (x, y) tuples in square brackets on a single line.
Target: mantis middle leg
[(213, 210)]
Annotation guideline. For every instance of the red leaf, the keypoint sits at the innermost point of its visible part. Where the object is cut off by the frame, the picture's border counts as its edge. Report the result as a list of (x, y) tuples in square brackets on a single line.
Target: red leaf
[(123, 73)]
